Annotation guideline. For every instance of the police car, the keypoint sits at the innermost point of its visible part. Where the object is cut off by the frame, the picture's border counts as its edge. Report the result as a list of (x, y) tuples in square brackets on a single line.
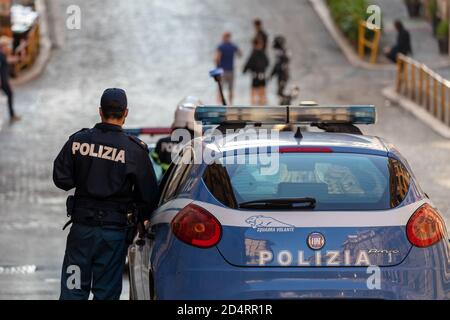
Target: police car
[(272, 214)]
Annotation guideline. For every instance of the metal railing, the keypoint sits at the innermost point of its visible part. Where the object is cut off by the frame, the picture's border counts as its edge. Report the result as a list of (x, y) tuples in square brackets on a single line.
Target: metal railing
[(371, 44), (423, 86)]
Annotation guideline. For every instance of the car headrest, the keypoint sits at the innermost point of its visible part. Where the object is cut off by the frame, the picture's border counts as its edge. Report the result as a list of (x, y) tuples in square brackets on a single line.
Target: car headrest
[(296, 190)]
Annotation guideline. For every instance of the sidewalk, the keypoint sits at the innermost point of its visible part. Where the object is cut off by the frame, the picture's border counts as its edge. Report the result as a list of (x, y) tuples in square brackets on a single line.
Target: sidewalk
[(424, 45)]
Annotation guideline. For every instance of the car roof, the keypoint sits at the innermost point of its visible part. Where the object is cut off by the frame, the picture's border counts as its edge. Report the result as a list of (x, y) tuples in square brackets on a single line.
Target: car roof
[(336, 141)]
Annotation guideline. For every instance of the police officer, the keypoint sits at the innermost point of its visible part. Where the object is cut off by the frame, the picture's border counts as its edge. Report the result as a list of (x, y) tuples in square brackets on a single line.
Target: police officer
[(168, 147), (111, 172)]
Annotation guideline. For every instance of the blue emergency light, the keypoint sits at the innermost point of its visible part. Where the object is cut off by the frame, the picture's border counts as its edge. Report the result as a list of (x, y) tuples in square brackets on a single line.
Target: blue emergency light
[(222, 115), (216, 72)]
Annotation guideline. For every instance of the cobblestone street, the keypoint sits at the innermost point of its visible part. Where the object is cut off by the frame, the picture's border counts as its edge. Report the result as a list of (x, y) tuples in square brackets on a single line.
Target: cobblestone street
[(160, 51)]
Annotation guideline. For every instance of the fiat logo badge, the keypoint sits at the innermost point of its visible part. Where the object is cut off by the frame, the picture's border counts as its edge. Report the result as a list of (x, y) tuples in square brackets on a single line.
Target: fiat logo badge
[(316, 241)]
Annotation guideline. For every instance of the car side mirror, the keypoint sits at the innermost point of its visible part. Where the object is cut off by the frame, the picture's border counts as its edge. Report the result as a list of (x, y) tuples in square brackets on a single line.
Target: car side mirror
[(140, 242), (150, 235)]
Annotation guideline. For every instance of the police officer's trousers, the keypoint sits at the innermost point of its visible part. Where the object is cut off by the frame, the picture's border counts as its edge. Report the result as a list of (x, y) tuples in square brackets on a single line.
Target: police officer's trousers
[(94, 261)]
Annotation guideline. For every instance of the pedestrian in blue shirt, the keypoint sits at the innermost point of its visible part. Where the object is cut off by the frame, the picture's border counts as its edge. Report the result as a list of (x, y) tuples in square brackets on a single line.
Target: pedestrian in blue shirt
[(225, 55)]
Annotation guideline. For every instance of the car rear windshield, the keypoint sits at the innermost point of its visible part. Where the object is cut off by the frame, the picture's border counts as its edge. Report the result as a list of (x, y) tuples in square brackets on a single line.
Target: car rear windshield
[(336, 181)]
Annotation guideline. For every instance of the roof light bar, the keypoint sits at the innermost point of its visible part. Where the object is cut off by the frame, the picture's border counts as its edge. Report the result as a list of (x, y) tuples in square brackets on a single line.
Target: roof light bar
[(333, 114), (220, 115), (214, 115)]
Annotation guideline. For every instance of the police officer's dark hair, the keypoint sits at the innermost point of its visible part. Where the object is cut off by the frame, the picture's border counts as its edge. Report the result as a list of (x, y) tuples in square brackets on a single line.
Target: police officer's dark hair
[(113, 114), (113, 111)]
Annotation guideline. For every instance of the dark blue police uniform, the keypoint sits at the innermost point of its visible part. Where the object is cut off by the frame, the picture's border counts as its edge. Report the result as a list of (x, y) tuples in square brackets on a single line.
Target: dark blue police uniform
[(110, 171)]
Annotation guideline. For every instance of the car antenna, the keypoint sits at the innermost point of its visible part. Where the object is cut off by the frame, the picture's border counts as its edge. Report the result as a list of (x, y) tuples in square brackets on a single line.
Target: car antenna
[(298, 134)]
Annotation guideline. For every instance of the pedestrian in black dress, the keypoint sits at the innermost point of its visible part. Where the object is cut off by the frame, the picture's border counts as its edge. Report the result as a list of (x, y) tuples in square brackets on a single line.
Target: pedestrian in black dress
[(260, 33), (257, 64)]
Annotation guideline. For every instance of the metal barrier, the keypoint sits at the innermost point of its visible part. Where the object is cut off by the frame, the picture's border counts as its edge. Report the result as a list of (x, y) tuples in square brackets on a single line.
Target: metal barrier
[(364, 43), (425, 87)]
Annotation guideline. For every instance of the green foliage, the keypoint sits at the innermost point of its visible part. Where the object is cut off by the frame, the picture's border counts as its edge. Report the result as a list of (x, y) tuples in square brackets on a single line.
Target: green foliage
[(433, 8), (347, 14), (442, 30)]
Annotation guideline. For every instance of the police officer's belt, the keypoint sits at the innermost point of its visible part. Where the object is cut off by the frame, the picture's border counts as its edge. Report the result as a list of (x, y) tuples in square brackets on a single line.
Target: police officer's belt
[(99, 213)]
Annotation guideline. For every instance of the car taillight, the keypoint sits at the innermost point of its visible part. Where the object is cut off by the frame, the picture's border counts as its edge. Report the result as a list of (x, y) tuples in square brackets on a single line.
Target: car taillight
[(425, 227), (197, 227)]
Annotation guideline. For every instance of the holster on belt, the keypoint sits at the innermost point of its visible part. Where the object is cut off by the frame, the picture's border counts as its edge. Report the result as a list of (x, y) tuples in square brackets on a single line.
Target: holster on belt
[(70, 205), (94, 212), (135, 225), (132, 224)]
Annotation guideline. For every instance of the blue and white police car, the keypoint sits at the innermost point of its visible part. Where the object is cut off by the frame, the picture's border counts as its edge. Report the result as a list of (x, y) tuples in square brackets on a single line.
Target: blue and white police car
[(286, 214)]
